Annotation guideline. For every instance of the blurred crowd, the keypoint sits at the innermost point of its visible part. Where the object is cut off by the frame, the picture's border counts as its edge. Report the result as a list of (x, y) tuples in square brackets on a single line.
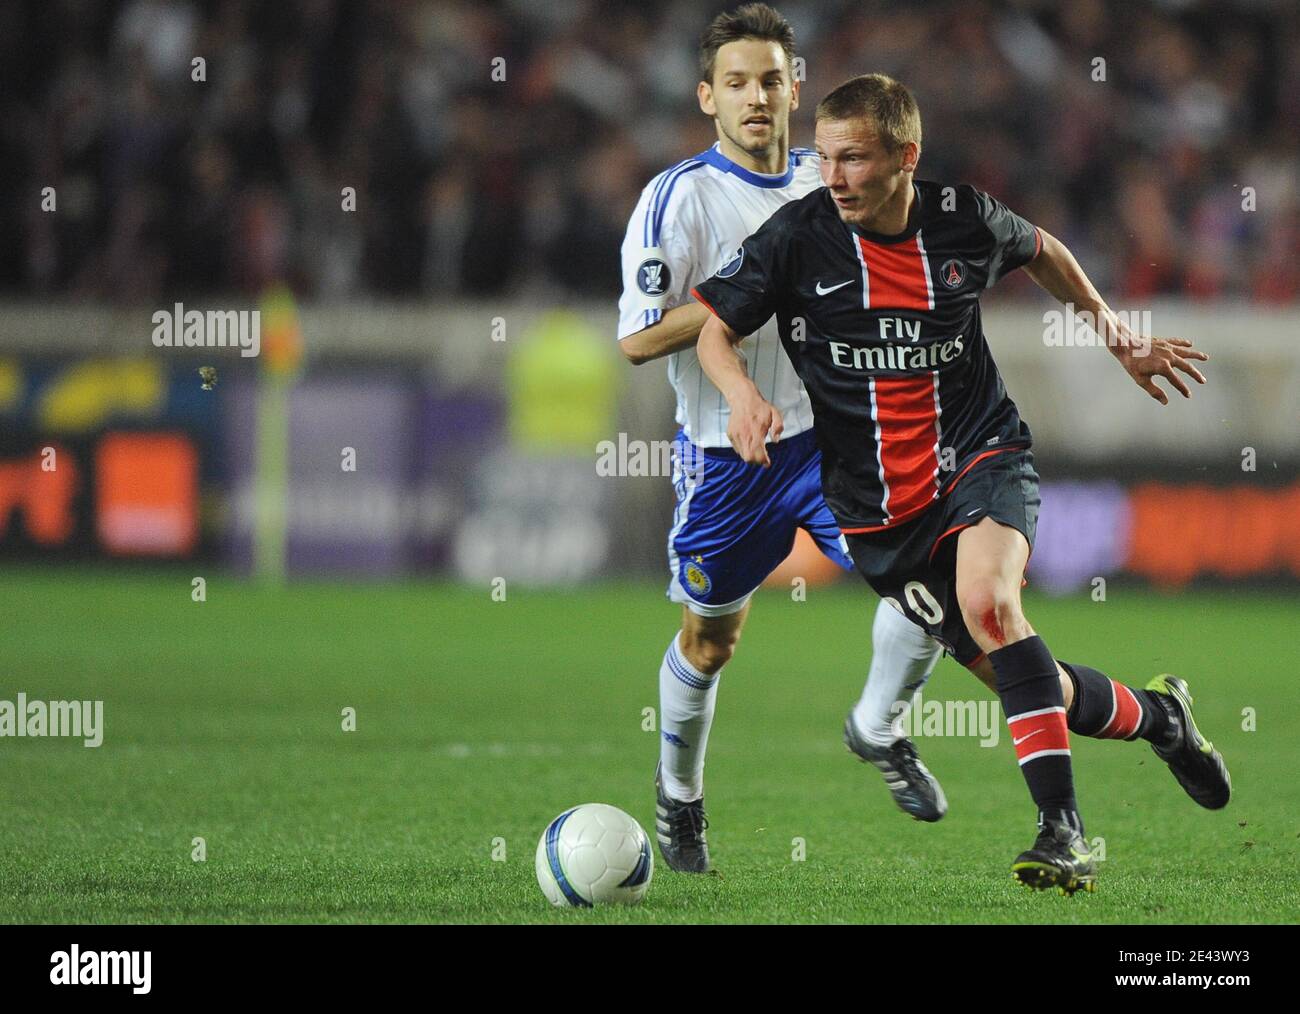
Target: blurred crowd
[(498, 148)]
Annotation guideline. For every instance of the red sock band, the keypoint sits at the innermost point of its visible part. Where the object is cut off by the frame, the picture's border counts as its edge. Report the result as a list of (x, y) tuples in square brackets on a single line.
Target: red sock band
[(1125, 716), (1039, 734)]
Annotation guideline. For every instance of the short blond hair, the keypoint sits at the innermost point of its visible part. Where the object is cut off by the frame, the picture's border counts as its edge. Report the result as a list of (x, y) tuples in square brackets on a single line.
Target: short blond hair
[(881, 99)]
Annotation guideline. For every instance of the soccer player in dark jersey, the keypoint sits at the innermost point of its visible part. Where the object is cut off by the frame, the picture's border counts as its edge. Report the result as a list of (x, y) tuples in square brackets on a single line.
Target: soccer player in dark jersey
[(874, 281)]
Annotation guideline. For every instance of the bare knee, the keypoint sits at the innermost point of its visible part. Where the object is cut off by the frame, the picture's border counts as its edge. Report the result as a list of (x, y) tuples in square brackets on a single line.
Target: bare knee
[(709, 652), (992, 613)]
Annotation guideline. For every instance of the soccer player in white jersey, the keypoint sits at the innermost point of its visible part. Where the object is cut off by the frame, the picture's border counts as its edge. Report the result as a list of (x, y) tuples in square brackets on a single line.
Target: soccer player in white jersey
[(735, 522)]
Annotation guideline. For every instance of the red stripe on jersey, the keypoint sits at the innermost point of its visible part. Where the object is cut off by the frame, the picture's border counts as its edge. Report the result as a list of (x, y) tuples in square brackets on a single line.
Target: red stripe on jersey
[(907, 422), (898, 277), (1034, 733), (1128, 714), (696, 294)]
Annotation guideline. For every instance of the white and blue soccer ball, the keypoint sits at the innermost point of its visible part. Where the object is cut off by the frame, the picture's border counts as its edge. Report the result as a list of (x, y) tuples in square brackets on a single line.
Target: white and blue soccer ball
[(594, 854)]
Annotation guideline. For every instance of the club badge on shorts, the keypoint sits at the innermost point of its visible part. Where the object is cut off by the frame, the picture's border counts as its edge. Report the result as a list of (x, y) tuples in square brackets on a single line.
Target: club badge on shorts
[(697, 582)]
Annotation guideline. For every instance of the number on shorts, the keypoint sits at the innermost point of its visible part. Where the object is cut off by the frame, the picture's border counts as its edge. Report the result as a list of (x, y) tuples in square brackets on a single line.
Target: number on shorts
[(922, 602)]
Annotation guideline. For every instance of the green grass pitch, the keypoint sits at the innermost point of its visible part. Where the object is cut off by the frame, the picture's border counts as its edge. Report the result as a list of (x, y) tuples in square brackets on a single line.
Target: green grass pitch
[(478, 721)]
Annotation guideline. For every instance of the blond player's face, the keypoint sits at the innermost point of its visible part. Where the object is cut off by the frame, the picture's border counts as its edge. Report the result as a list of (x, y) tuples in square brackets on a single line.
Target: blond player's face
[(751, 95), (860, 171)]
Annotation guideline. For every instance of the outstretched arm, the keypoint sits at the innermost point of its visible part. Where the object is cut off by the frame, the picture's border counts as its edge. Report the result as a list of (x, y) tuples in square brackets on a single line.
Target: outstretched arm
[(1143, 357), (751, 417), (679, 329)]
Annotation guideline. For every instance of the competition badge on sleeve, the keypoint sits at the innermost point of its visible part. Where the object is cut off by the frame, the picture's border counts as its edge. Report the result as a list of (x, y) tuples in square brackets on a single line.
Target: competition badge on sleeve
[(653, 279)]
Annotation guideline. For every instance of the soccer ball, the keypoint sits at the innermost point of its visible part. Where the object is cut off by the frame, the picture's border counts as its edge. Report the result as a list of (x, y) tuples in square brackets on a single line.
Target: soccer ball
[(594, 854)]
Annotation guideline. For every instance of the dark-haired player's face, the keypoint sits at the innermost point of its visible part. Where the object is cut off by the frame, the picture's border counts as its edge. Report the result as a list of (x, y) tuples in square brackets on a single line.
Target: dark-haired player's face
[(751, 95), (860, 170)]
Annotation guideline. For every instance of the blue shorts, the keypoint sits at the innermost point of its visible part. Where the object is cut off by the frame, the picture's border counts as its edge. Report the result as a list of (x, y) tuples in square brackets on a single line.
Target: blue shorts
[(735, 522)]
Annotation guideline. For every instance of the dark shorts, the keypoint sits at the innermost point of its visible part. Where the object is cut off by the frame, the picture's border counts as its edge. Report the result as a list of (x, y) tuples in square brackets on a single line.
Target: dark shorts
[(915, 565)]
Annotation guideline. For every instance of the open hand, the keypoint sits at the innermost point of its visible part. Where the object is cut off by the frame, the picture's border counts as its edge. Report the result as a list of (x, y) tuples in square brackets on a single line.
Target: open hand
[(1165, 357)]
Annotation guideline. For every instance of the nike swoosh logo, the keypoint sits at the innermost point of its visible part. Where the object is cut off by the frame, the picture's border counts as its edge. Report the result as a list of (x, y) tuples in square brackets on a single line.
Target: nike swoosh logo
[(975, 511), (822, 292), (1017, 742)]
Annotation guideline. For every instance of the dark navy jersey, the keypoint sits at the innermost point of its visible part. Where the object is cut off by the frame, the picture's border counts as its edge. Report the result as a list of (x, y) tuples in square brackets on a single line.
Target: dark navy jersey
[(885, 333)]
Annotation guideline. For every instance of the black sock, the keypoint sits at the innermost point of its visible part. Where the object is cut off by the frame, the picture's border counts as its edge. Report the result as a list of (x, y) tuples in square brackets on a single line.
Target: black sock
[(1031, 696), (1106, 709)]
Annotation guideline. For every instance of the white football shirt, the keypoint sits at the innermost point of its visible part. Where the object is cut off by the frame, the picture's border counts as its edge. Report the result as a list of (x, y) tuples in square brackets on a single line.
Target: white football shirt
[(691, 220)]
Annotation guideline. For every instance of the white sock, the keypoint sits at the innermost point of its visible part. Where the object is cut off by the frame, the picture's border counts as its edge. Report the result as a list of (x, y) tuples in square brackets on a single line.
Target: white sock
[(902, 658), (686, 699)]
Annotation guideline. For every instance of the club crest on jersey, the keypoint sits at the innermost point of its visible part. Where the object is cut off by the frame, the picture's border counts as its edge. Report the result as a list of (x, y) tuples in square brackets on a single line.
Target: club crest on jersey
[(733, 265), (653, 277), (693, 576), (953, 273)]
